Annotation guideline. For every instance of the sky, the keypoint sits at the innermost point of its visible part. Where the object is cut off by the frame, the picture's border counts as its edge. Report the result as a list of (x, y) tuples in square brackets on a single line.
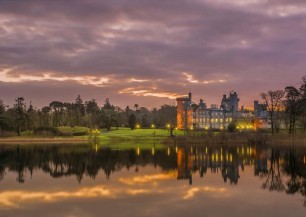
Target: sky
[(149, 52)]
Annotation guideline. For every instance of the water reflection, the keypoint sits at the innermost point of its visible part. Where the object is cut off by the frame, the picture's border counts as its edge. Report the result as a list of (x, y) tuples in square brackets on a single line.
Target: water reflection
[(281, 168)]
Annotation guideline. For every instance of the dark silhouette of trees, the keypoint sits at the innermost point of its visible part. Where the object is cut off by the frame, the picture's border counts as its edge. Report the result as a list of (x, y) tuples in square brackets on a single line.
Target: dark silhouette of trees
[(132, 121), (293, 106), (274, 178), (274, 101), (57, 109), (88, 114), (2, 107), (20, 117)]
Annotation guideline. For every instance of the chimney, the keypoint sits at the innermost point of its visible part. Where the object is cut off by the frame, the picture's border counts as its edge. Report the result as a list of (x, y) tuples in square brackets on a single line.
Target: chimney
[(190, 96)]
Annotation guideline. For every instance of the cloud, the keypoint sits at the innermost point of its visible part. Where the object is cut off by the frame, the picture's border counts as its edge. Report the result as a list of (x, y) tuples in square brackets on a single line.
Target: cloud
[(109, 44), (148, 92), (190, 193), (191, 79)]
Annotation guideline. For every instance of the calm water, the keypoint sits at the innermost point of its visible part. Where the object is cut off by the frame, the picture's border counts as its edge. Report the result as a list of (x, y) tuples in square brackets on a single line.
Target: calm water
[(91, 180)]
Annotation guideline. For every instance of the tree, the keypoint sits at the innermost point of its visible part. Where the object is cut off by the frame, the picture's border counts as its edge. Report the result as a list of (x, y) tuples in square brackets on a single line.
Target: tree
[(92, 113), (119, 116), (105, 118), (2, 107), (19, 108), (78, 110), (57, 108), (136, 106), (232, 127), (293, 105), (132, 121), (274, 101), (302, 115), (45, 116), (31, 117), (166, 115), (108, 105)]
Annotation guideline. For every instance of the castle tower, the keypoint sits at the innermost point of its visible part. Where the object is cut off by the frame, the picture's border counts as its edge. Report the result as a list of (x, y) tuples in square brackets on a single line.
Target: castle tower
[(184, 112)]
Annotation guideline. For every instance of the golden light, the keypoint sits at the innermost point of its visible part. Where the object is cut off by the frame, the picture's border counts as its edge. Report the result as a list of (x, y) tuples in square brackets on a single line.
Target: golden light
[(168, 125), (153, 151), (152, 126), (137, 126)]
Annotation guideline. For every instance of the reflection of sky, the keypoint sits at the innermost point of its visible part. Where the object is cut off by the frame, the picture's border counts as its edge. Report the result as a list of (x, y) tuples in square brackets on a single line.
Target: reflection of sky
[(149, 192)]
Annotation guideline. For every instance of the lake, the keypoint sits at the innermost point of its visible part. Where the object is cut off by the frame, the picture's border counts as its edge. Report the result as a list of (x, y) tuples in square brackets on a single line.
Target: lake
[(95, 180)]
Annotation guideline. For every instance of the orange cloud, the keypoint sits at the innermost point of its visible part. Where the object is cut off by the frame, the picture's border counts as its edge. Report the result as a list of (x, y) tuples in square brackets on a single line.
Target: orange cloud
[(147, 92), (191, 79), (84, 80)]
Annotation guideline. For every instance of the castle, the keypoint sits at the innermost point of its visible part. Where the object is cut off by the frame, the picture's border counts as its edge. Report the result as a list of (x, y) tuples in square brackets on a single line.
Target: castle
[(198, 116)]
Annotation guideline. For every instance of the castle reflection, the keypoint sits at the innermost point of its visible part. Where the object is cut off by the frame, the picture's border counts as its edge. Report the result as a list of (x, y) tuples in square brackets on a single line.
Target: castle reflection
[(223, 160), (282, 168)]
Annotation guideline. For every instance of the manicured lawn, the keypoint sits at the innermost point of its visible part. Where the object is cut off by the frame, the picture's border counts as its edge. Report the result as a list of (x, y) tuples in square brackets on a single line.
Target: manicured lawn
[(127, 133), (123, 138)]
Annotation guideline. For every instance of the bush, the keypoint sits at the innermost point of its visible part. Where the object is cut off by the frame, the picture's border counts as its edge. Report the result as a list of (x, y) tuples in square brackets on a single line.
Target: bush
[(231, 127), (80, 133), (47, 131), (5, 133)]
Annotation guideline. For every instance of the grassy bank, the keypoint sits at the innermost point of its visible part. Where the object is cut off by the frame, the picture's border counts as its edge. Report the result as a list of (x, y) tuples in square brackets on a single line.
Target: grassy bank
[(208, 138), (97, 136), (145, 134), (125, 137)]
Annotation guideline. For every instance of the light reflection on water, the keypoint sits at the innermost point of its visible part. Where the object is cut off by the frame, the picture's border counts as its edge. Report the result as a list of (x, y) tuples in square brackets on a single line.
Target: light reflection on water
[(84, 180)]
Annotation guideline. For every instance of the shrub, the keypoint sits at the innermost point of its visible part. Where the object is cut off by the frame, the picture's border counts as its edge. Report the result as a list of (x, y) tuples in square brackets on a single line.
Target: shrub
[(47, 131), (231, 127), (80, 133)]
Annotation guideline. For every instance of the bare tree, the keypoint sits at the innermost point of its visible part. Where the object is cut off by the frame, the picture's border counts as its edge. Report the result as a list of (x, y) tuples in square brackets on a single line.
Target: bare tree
[(293, 106), (274, 100)]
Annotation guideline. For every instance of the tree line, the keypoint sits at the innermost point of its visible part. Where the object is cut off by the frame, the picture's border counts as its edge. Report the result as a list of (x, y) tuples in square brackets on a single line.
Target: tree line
[(22, 117), (287, 107)]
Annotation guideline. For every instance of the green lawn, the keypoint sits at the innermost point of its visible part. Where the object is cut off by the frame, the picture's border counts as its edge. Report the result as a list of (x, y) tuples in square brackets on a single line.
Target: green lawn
[(127, 133)]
